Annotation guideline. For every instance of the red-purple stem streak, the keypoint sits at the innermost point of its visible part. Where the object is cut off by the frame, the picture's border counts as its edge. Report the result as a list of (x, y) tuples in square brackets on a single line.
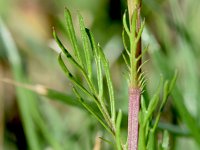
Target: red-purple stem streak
[(134, 105)]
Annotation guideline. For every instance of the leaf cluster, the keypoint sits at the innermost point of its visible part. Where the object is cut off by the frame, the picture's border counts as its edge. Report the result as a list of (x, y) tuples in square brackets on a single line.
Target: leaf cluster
[(147, 130), (92, 51)]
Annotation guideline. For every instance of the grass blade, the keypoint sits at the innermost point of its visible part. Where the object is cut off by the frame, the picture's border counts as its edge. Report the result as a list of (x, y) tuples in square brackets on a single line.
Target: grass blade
[(22, 94)]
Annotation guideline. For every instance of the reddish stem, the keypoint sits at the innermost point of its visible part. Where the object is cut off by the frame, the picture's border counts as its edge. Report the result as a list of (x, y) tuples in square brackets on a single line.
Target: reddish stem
[(134, 104)]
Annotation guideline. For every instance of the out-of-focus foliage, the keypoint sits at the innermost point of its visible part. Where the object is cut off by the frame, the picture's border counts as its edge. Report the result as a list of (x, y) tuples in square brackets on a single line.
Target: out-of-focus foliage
[(172, 30)]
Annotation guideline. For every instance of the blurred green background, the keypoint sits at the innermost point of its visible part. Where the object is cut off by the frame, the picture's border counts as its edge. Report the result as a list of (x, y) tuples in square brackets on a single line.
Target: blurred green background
[(30, 118)]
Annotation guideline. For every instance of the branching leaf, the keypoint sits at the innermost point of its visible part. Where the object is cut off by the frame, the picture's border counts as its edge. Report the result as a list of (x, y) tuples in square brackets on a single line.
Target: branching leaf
[(71, 77), (91, 110), (104, 61)]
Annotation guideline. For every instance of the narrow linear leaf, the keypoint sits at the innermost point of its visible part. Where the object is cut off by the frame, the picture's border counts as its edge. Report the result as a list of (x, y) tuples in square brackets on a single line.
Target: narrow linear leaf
[(125, 60), (173, 81), (143, 52), (154, 101), (143, 105), (165, 141), (139, 68), (98, 59), (91, 110), (185, 114), (107, 141), (151, 141), (86, 46), (73, 61), (64, 50), (141, 141), (51, 94), (139, 34), (166, 93), (125, 24), (100, 78), (19, 75), (124, 42), (118, 136), (72, 36), (133, 26), (71, 77), (168, 86), (109, 82), (107, 73), (174, 129), (45, 132), (141, 77)]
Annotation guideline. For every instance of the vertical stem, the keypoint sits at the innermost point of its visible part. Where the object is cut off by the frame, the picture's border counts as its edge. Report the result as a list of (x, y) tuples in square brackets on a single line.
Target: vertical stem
[(134, 103), (134, 7)]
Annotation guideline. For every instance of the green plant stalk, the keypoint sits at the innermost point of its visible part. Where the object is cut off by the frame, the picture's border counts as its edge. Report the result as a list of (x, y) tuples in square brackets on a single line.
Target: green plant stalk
[(134, 7)]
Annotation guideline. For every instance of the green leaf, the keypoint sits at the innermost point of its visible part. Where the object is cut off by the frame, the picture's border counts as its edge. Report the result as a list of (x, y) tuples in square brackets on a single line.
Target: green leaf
[(65, 51), (140, 32), (141, 138), (165, 141), (125, 24), (173, 81), (99, 77), (107, 141), (133, 27), (98, 60), (153, 102), (124, 42), (143, 105), (72, 36), (118, 124), (73, 61), (25, 99), (185, 115), (125, 60), (91, 110), (151, 141), (86, 46), (109, 82), (104, 61), (71, 77), (143, 52)]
